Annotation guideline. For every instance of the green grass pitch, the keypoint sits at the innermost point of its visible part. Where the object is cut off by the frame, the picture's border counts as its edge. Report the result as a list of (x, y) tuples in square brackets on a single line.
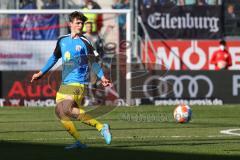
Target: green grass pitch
[(145, 132)]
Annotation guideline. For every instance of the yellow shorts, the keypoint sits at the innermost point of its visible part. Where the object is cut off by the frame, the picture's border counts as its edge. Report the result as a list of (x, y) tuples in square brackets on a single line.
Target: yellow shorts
[(73, 91)]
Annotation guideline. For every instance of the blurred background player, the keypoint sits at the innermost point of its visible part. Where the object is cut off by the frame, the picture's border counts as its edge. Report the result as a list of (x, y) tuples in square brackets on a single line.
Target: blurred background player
[(96, 41), (76, 52), (221, 58), (94, 38), (96, 19)]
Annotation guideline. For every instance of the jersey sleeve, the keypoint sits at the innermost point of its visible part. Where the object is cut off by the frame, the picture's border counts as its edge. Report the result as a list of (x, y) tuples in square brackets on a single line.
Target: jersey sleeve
[(97, 70), (57, 50), (53, 59), (89, 46)]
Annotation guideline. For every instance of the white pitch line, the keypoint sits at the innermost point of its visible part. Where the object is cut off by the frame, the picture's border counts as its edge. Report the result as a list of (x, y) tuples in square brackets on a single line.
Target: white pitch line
[(231, 132), (133, 137)]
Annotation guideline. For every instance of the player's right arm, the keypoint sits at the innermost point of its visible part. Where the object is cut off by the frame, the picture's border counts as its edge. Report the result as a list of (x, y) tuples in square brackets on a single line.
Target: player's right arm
[(50, 63)]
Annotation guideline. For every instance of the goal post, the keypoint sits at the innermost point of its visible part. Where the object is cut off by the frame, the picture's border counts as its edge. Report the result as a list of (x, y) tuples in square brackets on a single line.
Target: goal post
[(128, 37)]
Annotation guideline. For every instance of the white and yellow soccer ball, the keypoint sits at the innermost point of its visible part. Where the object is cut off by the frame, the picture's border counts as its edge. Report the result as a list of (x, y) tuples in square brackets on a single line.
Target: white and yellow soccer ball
[(182, 113)]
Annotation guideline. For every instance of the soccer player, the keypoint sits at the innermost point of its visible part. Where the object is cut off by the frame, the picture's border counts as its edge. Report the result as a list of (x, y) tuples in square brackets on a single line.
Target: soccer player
[(221, 58), (76, 53)]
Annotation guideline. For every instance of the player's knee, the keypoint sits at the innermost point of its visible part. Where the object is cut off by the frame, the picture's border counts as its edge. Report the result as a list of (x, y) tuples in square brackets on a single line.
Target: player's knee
[(64, 110)]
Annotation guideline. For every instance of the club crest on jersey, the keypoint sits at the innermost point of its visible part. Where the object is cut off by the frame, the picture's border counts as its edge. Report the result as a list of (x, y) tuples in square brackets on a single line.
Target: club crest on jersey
[(78, 47), (67, 56)]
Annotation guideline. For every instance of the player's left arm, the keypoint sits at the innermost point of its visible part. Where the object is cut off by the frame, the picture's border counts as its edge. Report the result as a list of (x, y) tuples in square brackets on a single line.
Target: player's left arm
[(229, 60), (97, 69), (99, 72)]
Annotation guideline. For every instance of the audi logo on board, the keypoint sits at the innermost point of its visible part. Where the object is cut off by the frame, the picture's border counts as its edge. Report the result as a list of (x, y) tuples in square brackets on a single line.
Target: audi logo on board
[(178, 85)]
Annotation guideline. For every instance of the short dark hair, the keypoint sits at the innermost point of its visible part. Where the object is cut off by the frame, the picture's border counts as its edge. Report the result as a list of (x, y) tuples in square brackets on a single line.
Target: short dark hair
[(77, 15), (222, 42), (88, 22)]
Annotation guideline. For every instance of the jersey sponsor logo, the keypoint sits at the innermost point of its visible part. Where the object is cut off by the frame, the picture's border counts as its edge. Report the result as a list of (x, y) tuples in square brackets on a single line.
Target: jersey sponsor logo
[(67, 56), (78, 47)]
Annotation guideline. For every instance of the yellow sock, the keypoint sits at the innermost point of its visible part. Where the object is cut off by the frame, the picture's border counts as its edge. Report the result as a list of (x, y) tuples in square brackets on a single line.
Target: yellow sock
[(94, 123), (69, 125), (87, 119)]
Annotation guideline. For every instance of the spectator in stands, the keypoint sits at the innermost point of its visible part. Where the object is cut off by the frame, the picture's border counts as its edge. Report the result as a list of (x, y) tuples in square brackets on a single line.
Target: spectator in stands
[(96, 19), (73, 4), (165, 3), (161, 2), (23, 26), (231, 23), (124, 4), (118, 5), (230, 12), (28, 4), (144, 7), (181, 3), (190, 2), (50, 4), (5, 22), (145, 4), (197, 2), (212, 2), (221, 58), (91, 4), (50, 21), (201, 3)]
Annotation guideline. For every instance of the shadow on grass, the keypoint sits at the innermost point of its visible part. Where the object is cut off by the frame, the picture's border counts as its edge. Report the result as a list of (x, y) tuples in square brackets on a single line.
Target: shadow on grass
[(28, 151)]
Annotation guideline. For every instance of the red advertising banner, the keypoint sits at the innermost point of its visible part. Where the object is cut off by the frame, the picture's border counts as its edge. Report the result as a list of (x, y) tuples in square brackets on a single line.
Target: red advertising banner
[(187, 55), (17, 90)]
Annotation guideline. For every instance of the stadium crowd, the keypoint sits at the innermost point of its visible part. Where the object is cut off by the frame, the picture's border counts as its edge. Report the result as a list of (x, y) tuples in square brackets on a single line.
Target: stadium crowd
[(231, 12)]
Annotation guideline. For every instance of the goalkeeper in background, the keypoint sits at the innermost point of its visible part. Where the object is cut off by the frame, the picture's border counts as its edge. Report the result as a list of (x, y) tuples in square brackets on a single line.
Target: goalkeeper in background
[(76, 53)]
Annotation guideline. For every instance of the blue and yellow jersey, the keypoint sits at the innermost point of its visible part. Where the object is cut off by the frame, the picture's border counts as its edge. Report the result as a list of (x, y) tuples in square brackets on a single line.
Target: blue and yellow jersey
[(77, 54)]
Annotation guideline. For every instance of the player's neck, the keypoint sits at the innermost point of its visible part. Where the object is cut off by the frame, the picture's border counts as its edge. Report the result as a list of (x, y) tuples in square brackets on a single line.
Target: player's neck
[(88, 33), (75, 35)]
